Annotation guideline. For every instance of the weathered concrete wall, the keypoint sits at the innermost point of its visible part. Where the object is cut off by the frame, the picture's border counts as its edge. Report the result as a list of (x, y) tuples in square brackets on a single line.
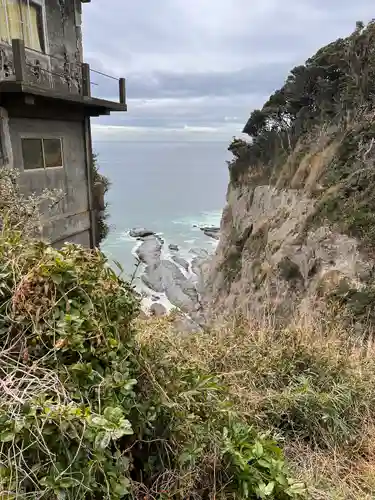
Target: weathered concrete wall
[(71, 215), (63, 27), (63, 43), (6, 153)]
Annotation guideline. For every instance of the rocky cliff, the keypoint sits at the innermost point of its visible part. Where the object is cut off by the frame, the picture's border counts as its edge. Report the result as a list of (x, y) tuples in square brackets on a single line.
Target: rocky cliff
[(298, 230)]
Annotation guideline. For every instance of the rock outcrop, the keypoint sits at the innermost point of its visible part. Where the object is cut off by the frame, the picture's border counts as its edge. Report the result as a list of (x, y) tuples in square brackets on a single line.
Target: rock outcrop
[(173, 247), (284, 262), (158, 310), (172, 281), (211, 232), (140, 232), (181, 262), (297, 234)]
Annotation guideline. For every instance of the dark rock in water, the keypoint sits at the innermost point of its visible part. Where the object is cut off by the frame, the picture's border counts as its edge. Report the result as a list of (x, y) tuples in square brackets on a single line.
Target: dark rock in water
[(214, 235), (155, 297), (140, 232), (210, 228), (181, 262), (158, 310), (173, 247), (212, 232), (149, 251)]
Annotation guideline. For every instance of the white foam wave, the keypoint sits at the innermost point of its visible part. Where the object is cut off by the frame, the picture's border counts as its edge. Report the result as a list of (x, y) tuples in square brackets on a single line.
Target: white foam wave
[(125, 237), (211, 218)]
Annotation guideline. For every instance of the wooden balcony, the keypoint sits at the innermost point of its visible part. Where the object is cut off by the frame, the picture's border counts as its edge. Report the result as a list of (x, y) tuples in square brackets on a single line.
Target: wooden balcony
[(34, 74)]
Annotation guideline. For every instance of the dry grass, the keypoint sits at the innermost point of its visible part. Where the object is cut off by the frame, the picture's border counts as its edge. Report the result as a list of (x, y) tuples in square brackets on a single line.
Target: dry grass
[(313, 386)]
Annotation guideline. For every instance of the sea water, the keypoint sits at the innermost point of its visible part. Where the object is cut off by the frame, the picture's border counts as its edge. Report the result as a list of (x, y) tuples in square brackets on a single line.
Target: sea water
[(167, 187)]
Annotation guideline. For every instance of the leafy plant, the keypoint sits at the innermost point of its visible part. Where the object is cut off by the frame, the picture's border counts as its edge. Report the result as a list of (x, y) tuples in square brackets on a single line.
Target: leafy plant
[(102, 215), (88, 412)]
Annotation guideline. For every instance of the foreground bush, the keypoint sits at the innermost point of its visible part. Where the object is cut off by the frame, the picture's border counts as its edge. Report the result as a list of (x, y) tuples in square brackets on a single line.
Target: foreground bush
[(87, 411), (312, 385)]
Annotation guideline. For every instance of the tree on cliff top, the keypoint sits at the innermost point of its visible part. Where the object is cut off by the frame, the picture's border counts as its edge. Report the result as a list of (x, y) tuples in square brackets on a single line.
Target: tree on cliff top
[(337, 80)]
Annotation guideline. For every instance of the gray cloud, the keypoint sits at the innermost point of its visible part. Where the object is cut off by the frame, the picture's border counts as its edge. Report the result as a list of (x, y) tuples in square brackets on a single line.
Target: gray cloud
[(164, 84), (205, 63)]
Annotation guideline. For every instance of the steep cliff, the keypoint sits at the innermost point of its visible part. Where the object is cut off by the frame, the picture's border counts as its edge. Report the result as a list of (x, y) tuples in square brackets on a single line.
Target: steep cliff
[(298, 230)]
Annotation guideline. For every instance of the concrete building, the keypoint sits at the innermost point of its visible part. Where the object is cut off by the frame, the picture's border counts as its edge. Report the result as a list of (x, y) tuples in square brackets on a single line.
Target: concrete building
[(46, 102)]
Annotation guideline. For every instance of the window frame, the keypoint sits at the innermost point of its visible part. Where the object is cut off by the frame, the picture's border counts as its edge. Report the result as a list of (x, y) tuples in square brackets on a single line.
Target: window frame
[(26, 25), (42, 139)]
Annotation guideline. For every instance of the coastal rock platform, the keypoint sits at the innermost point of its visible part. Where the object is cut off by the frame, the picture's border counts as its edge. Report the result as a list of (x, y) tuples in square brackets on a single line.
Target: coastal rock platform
[(174, 281)]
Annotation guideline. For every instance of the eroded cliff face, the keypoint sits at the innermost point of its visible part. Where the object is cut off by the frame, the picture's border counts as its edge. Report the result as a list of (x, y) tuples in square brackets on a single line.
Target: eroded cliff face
[(271, 260), (298, 230)]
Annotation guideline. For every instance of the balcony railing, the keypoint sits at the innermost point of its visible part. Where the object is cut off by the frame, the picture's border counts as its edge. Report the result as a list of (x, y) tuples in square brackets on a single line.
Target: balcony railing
[(58, 74)]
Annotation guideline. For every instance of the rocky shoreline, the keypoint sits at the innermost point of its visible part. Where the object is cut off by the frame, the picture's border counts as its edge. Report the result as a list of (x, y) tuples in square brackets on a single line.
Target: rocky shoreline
[(173, 281)]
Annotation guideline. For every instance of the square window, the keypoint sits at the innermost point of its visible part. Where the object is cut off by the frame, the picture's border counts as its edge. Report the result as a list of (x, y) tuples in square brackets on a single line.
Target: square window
[(52, 153), (32, 152), (42, 153)]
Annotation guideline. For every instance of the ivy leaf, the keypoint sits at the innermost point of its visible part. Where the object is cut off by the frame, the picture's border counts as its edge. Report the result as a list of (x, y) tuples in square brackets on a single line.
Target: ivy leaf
[(122, 487), (68, 482), (56, 278), (296, 489), (264, 463), (282, 480), (60, 494), (99, 421), (258, 449), (268, 490), (118, 377), (124, 430), (113, 414), (7, 436), (102, 440)]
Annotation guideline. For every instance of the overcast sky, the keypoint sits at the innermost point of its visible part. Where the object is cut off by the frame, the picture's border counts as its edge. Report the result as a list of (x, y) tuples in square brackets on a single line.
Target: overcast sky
[(196, 68)]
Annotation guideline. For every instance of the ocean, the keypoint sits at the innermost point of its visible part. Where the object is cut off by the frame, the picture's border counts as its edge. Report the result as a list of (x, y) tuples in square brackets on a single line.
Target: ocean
[(167, 187)]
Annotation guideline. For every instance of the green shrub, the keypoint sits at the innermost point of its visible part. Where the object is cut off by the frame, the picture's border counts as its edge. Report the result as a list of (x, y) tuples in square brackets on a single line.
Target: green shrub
[(102, 216), (67, 375), (213, 445), (87, 411)]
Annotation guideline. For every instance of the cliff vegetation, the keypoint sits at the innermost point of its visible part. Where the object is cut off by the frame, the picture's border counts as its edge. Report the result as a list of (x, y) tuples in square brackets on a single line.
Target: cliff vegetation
[(90, 408)]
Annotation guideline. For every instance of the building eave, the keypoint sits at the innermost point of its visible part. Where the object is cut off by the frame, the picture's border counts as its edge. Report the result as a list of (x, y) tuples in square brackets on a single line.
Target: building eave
[(92, 106)]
